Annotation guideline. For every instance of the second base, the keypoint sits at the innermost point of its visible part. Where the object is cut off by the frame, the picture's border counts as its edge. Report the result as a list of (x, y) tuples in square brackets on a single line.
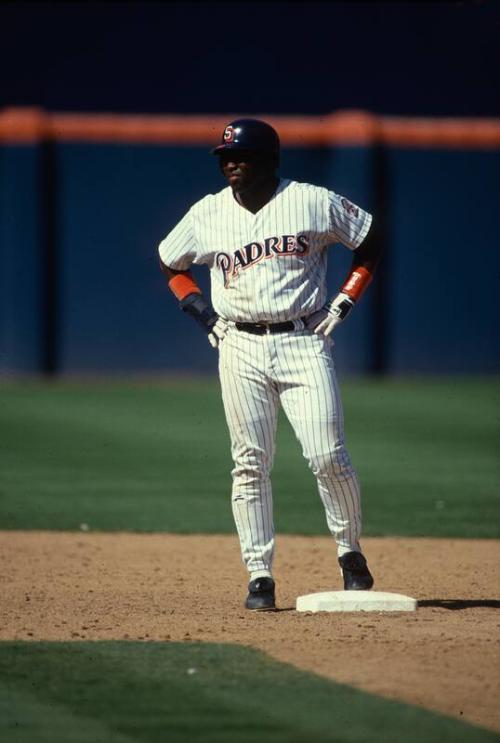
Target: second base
[(356, 601)]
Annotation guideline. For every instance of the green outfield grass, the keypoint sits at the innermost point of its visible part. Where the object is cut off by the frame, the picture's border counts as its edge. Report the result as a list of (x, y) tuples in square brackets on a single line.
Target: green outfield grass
[(119, 692), (155, 457)]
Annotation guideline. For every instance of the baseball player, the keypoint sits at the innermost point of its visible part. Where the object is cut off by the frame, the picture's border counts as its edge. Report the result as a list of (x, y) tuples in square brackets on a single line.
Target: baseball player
[(265, 240)]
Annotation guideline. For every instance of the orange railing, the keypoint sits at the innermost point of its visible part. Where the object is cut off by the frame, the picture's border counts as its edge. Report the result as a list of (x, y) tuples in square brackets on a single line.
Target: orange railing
[(28, 125)]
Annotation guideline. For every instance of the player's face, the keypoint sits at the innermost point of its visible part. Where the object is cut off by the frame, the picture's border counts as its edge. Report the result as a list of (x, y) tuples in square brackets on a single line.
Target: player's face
[(245, 170)]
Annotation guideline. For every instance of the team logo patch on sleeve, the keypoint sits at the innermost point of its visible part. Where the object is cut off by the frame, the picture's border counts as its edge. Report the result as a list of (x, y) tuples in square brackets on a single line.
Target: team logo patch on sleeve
[(350, 208)]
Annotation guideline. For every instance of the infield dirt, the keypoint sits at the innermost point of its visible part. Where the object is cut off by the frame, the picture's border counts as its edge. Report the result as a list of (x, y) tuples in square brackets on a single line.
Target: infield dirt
[(158, 587)]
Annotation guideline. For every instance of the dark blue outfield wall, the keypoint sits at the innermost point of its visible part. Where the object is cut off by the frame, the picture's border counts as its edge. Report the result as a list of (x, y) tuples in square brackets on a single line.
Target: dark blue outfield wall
[(81, 290)]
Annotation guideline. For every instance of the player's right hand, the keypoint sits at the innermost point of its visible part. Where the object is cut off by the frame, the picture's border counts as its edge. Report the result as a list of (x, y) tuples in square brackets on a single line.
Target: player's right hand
[(217, 332)]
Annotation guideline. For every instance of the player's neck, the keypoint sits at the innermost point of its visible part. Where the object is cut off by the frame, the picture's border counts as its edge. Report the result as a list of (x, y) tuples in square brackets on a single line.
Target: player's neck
[(253, 199)]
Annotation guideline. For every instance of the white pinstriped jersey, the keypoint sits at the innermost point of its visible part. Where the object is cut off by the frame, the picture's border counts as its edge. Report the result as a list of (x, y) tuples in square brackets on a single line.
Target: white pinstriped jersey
[(269, 266)]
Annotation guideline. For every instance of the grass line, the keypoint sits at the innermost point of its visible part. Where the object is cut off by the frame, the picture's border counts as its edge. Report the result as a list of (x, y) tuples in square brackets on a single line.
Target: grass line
[(156, 457), (145, 692)]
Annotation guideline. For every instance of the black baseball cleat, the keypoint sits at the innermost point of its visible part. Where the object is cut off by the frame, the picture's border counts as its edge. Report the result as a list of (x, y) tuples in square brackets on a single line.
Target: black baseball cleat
[(355, 572), (260, 595)]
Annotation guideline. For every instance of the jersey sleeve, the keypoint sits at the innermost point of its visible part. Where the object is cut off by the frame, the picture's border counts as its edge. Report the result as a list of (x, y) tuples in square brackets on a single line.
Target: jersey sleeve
[(178, 250), (347, 223)]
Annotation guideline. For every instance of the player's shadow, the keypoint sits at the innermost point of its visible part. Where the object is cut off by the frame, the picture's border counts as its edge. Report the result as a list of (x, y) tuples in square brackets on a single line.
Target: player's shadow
[(456, 604)]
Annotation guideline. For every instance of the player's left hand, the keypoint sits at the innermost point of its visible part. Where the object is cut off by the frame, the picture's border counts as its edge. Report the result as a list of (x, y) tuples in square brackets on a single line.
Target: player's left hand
[(217, 332), (332, 314)]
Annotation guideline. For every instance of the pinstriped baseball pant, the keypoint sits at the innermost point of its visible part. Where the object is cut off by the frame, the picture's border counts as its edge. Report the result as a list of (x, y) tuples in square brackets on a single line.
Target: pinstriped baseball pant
[(294, 369)]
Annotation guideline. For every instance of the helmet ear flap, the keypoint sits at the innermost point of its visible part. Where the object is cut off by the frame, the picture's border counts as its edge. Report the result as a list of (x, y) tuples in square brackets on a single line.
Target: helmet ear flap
[(272, 159), (221, 163)]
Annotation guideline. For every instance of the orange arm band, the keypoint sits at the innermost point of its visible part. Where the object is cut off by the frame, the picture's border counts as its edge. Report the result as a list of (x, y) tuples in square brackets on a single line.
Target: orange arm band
[(357, 282), (182, 285)]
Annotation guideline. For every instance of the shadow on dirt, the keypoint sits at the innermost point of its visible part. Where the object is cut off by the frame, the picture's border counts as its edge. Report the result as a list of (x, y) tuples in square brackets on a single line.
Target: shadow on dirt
[(460, 603)]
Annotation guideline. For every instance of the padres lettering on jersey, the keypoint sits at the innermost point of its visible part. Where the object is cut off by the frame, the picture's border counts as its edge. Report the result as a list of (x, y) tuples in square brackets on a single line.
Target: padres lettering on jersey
[(252, 253), (269, 266)]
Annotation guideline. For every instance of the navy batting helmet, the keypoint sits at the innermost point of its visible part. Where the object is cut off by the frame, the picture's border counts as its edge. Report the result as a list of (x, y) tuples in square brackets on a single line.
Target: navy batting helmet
[(249, 134)]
